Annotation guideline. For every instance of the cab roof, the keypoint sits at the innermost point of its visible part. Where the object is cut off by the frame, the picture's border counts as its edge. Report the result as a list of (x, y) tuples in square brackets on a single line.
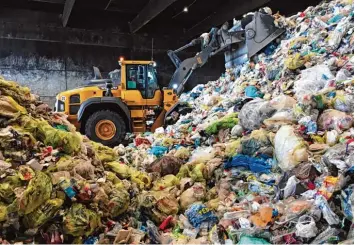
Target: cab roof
[(136, 62)]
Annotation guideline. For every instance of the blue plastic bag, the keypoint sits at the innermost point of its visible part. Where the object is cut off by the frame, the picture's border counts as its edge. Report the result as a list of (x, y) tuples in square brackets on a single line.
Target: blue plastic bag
[(253, 92), (158, 150), (199, 213), (253, 164)]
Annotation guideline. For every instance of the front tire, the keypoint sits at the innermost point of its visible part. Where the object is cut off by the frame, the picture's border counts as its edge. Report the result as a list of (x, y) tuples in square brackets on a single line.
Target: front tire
[(106, 127)]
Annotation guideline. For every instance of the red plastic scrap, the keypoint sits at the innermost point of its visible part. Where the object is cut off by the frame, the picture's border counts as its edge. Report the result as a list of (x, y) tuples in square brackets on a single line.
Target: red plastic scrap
[(165, 223)]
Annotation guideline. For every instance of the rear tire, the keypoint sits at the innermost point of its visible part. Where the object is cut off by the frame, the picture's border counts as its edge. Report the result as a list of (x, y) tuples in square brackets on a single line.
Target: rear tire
[(100, 122)]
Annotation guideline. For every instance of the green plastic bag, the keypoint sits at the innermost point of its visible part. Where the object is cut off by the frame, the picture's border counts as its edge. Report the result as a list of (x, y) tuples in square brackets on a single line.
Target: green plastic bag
[(80, 221), (244, 239), (37, 192), (228, 121), (43, 213), (7, 187)]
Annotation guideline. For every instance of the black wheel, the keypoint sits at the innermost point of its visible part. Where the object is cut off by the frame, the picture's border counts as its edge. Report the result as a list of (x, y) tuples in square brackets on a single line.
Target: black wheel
[(106, 127)]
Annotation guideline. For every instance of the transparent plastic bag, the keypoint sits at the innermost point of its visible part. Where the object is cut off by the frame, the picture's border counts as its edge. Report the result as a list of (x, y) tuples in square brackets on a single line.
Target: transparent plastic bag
[(340, 155), (327, 212), (312, 81), (333, 119), (253, 114)]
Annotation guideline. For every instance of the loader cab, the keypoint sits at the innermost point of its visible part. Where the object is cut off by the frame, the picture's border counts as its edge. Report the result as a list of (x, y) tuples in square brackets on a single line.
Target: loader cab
[(143, 78)]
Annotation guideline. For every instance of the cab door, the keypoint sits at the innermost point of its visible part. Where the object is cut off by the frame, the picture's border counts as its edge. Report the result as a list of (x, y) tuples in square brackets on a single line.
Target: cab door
[(153, 93), (135, 91)]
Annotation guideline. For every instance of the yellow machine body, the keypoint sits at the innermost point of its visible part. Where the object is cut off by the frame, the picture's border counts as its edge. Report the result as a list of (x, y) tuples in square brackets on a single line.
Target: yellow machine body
[(136, 97)]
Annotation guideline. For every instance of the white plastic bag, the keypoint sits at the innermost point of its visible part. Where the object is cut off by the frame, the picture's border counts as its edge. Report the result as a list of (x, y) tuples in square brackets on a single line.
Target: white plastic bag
[(290, 149), (337, 34), (159, 130), (306, 227), (202, 154), (290, 188), (237, 130), (331, 137)]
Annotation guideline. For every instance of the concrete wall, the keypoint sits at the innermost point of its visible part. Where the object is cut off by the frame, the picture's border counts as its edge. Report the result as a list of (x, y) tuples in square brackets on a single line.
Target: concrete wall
[(49, 68), (37, 52)]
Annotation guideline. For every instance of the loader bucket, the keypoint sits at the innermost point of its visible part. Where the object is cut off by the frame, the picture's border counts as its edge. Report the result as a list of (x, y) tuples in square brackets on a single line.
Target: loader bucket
[(237, 55), (260, 32)]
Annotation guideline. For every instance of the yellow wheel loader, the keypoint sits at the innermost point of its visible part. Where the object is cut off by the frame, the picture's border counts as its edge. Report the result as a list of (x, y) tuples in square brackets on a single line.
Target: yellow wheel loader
[(131, 100)]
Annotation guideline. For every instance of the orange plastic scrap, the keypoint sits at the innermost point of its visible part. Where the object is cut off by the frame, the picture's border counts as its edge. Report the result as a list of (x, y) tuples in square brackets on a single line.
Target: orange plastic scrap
[(299, 206), (328, 186), (262, 218)]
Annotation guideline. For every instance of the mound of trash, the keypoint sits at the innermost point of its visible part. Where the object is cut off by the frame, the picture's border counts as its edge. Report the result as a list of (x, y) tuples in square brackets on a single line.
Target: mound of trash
[(266, 155)]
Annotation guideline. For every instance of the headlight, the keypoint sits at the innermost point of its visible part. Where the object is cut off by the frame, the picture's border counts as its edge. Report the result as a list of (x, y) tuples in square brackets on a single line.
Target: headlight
[(175, 86)]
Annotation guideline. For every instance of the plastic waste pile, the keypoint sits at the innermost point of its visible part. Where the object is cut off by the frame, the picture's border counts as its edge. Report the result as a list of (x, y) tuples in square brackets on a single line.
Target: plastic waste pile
[(266, 155)]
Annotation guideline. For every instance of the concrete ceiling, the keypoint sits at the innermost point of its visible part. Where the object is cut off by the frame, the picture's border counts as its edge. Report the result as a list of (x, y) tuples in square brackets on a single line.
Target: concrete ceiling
[(153, 17)]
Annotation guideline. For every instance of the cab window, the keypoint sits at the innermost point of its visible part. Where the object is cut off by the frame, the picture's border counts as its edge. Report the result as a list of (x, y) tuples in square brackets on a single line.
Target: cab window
[(152, 82), (136, 78), (115, 77)]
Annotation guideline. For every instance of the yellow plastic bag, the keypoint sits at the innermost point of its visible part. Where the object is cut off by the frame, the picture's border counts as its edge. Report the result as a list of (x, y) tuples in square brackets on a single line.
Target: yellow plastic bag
[(80, 221), (296, 61), (104, 153), (69, 142), (43, 213), (122, 170), (10, 108), (37, 192), (114, 179), (232, 148), (20, 93), (119, 202), (141, 179), (164, 182), (182, 153), (3, 212)]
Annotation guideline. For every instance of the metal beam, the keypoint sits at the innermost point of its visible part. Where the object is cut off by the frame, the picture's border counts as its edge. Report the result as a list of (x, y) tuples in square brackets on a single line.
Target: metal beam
[(227, 12), (68, 7), (34, 32), (50, 1), (151, 10)]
